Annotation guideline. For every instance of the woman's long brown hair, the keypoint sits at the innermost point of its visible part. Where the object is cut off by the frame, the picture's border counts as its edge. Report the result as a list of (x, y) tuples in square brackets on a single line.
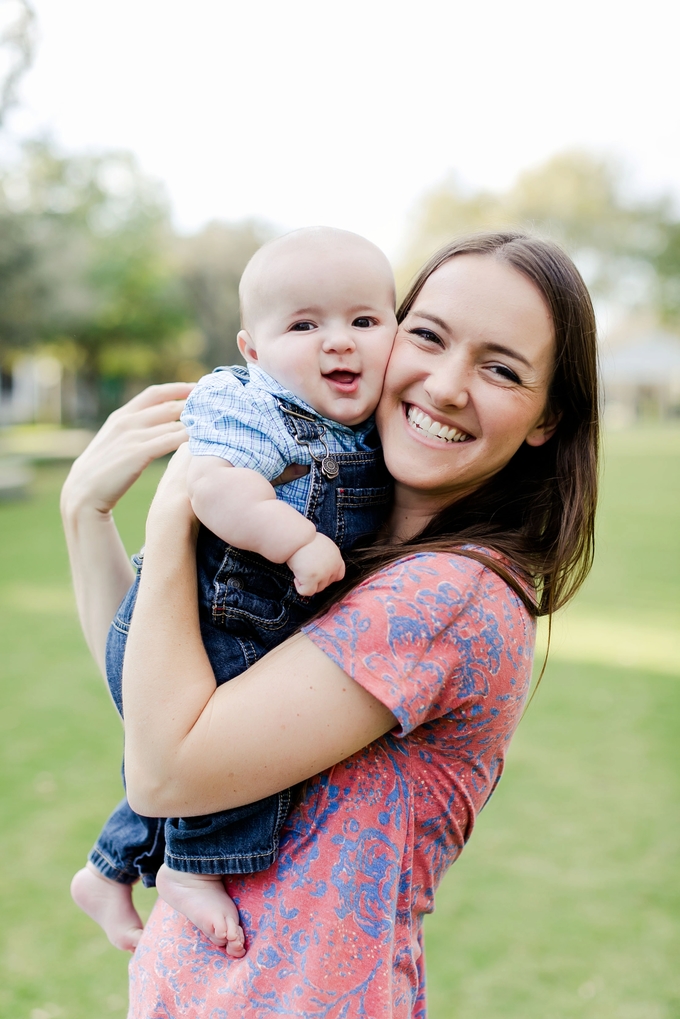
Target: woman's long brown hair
[(538, 511)]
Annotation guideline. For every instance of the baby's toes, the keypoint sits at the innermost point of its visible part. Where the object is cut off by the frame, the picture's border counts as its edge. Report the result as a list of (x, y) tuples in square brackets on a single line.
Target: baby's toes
[(218, 936), (236, 943)]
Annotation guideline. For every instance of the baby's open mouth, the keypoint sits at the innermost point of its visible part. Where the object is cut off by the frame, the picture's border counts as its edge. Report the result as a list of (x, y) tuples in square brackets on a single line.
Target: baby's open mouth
[(422, 422), (346, 379)]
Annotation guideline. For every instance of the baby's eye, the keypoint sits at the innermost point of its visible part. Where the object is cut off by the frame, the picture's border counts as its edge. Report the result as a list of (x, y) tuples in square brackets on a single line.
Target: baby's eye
[(363, 322), (302, 327)]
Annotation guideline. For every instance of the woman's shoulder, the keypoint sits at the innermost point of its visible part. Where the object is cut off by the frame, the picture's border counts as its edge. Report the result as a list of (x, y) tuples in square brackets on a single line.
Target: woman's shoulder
[(460, 576), (426, 631)]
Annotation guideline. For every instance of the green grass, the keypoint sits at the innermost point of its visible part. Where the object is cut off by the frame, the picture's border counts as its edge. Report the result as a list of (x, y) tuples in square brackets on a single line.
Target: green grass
[(566, 903), (61, 747)]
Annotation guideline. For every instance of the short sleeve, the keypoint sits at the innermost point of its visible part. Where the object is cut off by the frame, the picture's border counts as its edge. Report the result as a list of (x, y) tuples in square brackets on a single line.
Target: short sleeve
[(223, 419), (423, 637)]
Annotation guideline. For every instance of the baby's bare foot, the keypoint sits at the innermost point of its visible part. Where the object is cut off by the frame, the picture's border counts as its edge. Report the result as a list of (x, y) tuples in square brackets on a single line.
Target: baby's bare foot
[(203, 899), (110, 905)]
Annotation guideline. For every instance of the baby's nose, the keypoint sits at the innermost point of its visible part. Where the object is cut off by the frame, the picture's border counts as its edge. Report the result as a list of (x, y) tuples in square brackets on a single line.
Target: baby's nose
[(339, 340)]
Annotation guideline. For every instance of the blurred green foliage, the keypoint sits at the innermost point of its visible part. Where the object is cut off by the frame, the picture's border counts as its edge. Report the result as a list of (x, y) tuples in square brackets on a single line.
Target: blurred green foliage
[(92, 271), (627, 249)]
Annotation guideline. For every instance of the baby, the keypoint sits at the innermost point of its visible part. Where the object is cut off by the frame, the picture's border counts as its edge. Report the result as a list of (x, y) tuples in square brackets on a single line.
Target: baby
[(318, 323)]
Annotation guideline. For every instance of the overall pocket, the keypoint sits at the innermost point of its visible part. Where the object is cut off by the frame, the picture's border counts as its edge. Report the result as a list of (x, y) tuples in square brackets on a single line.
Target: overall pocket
[(360, 512), (252, 592)]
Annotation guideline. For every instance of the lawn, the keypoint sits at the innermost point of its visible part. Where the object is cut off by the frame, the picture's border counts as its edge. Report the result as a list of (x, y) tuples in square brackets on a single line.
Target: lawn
[(567, 901)]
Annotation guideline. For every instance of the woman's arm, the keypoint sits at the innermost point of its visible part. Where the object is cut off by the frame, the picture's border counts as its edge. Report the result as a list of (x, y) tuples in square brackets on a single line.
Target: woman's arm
[(145, 428), (193, 749)]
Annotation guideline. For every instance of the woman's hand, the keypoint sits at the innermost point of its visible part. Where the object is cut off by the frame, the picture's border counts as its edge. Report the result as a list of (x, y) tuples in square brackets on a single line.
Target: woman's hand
[(144, 429), (129, 440)]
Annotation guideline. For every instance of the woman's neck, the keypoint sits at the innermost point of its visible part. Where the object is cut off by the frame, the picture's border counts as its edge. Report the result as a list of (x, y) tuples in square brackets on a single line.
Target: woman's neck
[(412, 510)]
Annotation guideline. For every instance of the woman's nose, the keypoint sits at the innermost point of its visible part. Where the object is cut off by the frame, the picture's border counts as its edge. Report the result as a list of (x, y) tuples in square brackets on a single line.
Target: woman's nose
[(448, 387)]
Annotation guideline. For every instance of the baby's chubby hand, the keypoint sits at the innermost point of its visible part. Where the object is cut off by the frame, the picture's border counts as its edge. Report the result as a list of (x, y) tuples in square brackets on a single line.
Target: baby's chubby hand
[(316, 565)]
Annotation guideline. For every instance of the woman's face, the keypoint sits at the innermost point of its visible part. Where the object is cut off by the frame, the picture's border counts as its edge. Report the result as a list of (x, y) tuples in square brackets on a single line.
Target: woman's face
[(467, 382)]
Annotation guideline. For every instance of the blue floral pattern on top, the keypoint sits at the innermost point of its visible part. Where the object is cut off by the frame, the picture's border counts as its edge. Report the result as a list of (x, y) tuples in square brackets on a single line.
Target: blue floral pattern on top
[(331, 928)]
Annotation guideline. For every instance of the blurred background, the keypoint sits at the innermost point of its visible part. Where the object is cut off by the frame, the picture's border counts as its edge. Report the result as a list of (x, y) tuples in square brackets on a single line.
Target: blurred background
[(147, 149)]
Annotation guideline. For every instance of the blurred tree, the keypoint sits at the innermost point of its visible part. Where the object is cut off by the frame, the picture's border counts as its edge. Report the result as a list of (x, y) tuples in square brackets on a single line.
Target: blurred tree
[(90, 267), (17, 46), (20, 292), (87, 267), (211, 263), (667, 266), (575, 199)]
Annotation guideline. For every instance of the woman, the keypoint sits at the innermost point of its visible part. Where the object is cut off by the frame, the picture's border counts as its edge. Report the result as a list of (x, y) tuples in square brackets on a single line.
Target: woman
[(393, 709)]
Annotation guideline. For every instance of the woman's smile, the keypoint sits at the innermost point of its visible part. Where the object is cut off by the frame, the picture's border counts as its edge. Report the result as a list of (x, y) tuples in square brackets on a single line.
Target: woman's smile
[(431, 428)]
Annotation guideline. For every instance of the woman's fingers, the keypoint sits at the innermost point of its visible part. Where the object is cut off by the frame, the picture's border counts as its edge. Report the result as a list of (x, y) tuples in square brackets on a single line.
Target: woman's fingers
[(159, 394), (158, 414), (166, 441), (124, 419), (137, 433)]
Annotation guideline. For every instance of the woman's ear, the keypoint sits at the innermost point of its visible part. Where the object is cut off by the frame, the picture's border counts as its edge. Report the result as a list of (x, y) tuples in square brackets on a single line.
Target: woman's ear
[(544, 429), (246, 347)]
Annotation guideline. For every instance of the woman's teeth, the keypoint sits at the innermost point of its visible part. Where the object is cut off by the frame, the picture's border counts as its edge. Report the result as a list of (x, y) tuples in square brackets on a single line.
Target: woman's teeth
[(436, 429)]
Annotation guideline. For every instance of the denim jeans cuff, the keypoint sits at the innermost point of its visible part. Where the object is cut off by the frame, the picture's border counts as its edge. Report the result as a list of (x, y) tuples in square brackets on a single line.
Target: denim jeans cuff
[(105, 867), (222, 865)]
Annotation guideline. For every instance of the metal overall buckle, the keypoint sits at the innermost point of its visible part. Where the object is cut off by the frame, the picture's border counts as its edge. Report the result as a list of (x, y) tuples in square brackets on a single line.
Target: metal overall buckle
[(329, 466)]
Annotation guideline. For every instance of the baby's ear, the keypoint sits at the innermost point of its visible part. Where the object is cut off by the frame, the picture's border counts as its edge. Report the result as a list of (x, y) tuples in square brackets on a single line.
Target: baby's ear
[(246, 346)]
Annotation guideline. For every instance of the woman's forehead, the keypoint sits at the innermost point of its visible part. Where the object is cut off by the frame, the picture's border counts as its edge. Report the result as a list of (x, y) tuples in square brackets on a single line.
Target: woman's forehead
[(485, 297)]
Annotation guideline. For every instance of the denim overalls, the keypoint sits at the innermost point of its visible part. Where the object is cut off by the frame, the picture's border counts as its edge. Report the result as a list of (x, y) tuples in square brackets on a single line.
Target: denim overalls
[(247, 606)]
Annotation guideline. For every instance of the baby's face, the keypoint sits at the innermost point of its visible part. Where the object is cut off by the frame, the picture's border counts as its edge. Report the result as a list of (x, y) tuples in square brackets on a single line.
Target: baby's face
[(324, 327)]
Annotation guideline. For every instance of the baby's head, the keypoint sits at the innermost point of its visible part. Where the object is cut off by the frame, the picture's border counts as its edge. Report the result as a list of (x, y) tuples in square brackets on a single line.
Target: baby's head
[(317, 310)]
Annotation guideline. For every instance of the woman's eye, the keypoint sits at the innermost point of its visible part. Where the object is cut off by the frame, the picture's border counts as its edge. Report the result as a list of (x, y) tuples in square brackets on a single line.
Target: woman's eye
[(427, 334), (302, 327), (363, 322), (504, 372)]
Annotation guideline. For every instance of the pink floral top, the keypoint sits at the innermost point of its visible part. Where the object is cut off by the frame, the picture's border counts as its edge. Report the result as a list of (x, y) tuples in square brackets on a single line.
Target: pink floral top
[(331, 928)]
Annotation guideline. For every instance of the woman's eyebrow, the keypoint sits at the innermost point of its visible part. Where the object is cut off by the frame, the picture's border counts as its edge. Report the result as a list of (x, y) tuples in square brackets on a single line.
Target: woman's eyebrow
[(497, 348), (433, 318)]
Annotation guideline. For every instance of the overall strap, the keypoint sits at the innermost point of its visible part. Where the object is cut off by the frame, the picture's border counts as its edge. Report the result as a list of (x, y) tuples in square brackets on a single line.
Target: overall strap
[(240, 371), (305, 430)]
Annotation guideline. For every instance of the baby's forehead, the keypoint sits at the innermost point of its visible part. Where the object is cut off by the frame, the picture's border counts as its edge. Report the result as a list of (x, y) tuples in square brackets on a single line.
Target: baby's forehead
[(313, 255), (314, 267)]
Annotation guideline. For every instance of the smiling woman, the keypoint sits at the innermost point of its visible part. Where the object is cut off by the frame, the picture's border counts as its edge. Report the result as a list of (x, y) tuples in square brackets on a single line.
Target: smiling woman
[(496, 346), (394, 709)]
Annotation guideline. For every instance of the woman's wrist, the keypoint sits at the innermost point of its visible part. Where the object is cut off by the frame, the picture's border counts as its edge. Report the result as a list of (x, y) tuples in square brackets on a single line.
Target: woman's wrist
[(77, 502), (170, 529), (171, 519)]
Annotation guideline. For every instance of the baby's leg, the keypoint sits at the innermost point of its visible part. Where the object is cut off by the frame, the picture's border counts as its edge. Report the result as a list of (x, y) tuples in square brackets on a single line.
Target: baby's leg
[(203, 899), (109, 903)]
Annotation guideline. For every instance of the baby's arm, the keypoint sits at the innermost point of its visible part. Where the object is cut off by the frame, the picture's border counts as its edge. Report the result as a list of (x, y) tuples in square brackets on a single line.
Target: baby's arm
[(240, 506)]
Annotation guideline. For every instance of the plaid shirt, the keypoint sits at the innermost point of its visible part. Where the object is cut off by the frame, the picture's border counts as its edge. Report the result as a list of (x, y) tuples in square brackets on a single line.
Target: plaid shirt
[(244, 425)]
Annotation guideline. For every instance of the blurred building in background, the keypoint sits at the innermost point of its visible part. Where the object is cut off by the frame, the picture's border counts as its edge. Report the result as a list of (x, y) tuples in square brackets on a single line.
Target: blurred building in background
[(641, 379)]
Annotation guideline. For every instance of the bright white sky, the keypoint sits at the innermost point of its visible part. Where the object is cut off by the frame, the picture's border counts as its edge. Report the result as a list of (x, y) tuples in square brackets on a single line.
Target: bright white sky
[(344, 111)]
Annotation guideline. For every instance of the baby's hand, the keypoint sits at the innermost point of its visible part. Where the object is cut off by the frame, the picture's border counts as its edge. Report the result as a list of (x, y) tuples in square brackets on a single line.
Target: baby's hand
[(316, 565)]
